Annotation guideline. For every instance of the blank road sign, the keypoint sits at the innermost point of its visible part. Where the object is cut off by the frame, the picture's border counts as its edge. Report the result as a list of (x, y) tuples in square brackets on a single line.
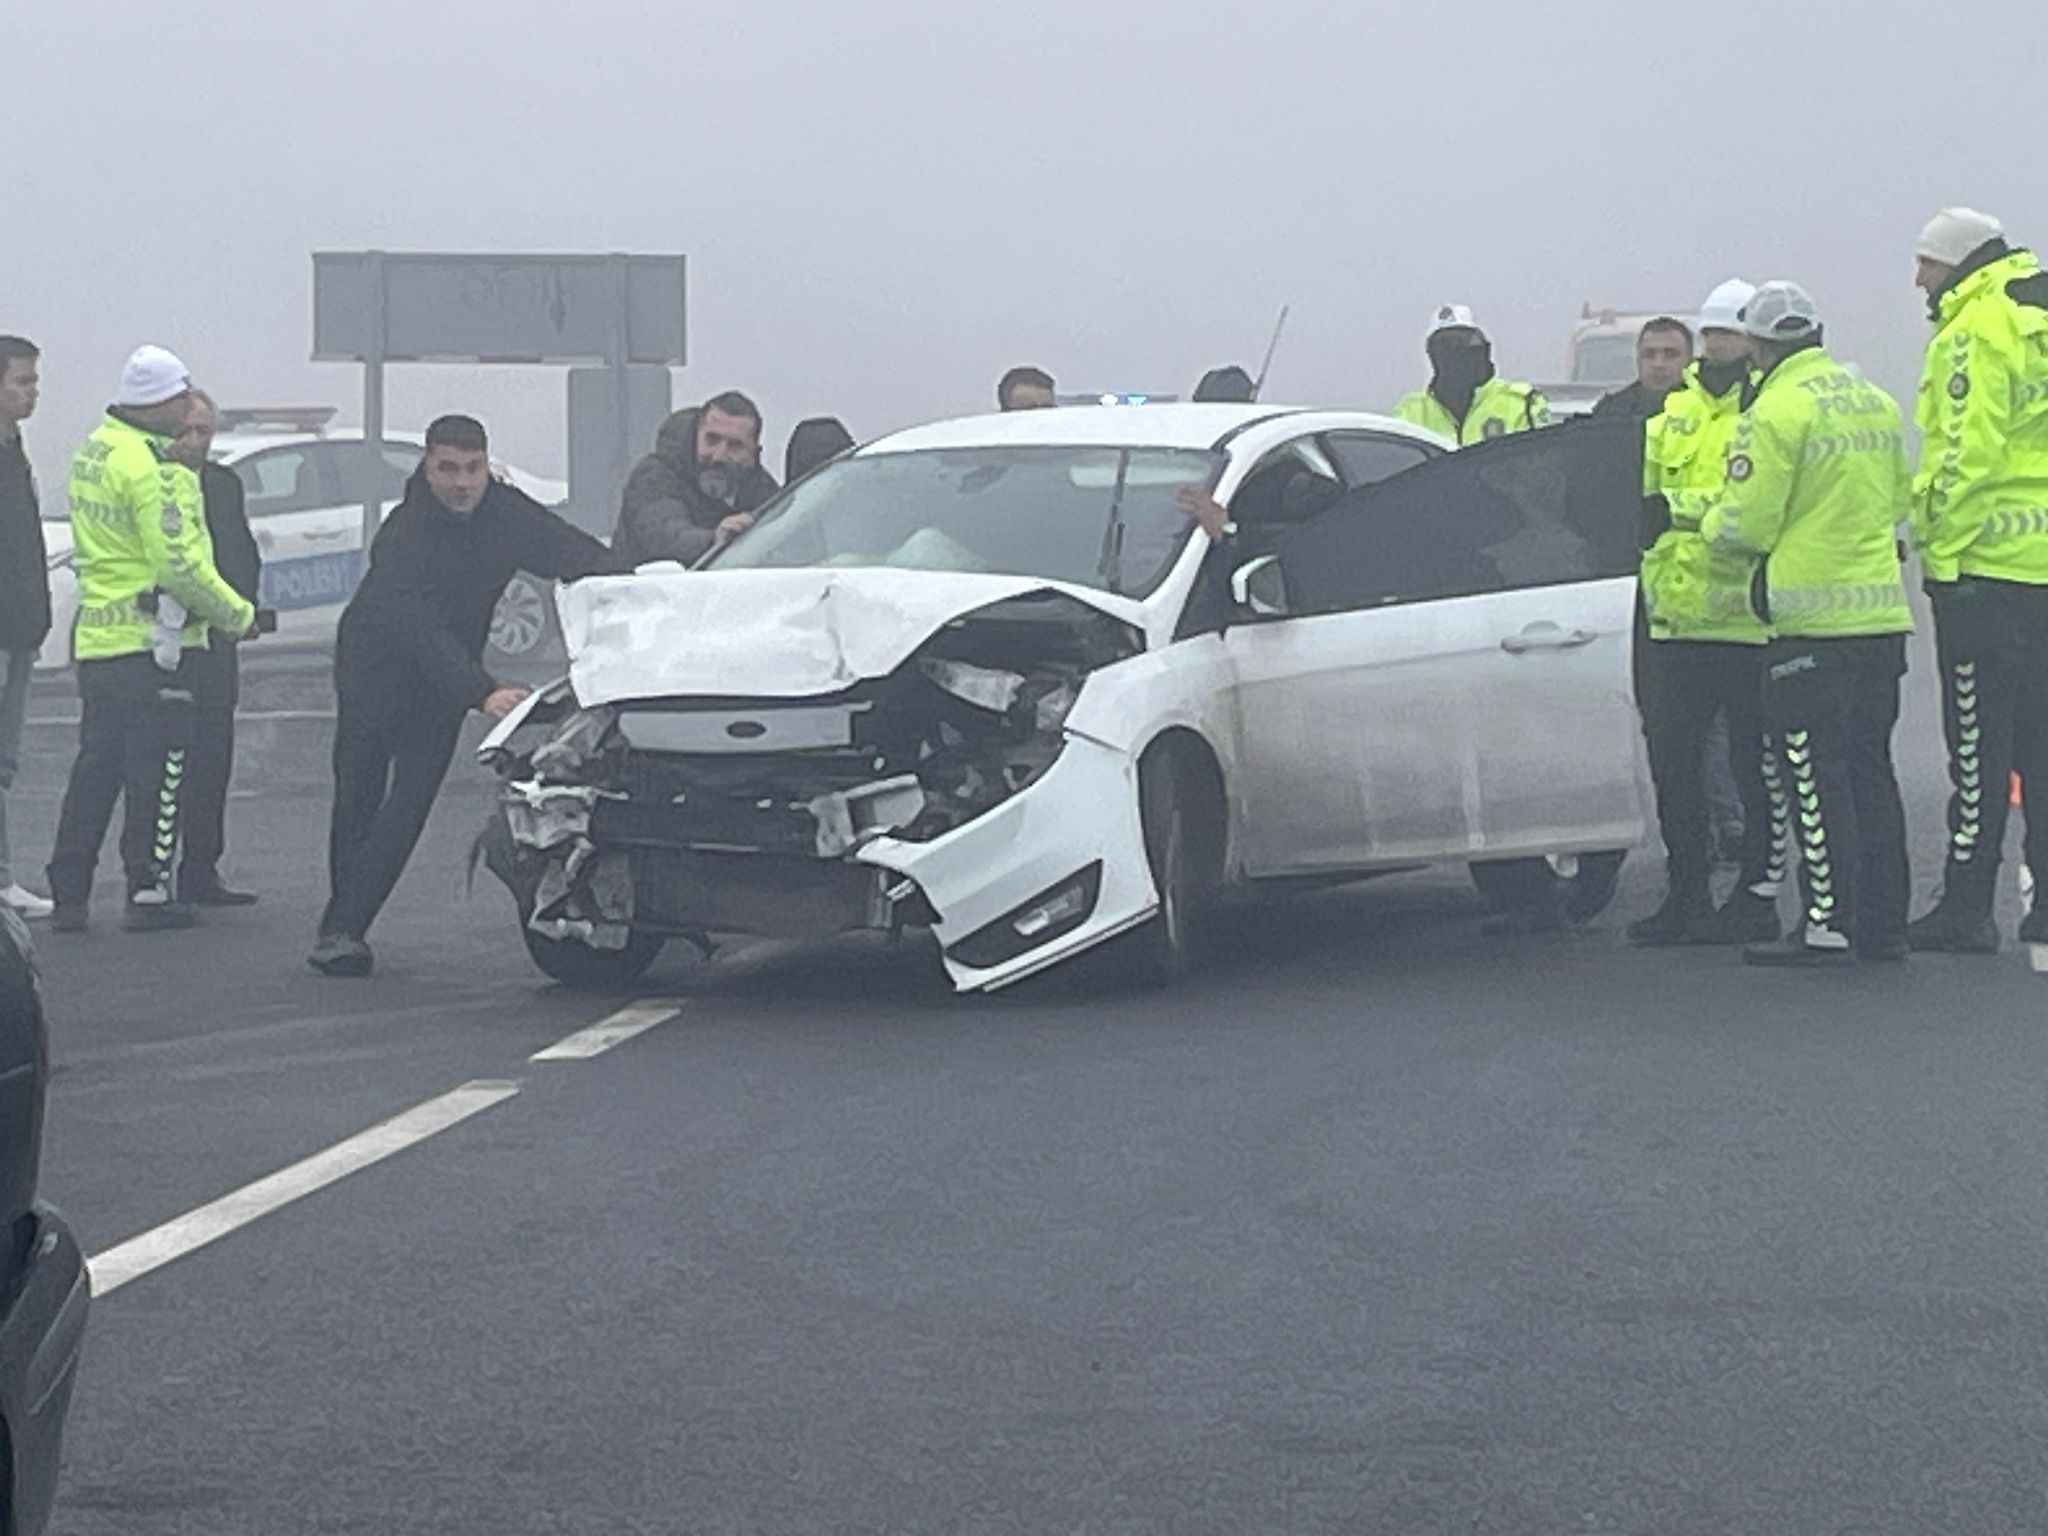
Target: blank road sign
[(505, 308)]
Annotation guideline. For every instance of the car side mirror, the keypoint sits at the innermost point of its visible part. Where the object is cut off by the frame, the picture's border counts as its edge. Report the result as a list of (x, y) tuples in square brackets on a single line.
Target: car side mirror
[(1260, 587)]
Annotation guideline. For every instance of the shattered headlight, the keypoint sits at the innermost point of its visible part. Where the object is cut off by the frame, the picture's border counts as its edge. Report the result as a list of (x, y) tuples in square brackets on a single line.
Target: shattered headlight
[(1053, 707), (1045, 700), (575, 741)]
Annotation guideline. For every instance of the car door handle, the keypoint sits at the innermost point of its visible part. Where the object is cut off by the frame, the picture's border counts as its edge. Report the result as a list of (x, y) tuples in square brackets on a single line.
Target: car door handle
[(1546, 636), (328, 536)]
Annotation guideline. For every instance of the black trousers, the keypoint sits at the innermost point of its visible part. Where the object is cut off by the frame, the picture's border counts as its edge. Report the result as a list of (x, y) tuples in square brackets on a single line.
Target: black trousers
[(133, 739), (391, 752), (1991, 641), (1832, 705), (210, 764), (1684, 686)]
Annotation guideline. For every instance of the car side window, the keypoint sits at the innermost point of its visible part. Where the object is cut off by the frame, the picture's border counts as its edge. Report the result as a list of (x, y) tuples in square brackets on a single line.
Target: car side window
[(1539, 509), (381, 479), (1292, 484), (1367, 458), (280, 480), (400, 460)]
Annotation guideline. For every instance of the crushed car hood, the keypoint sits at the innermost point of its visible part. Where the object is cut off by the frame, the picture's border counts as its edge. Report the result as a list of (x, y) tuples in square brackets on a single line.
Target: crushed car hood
[(771, 633)]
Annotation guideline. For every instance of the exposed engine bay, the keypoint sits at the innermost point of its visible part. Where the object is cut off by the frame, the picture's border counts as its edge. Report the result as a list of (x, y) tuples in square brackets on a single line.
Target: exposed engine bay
[(691, 815)]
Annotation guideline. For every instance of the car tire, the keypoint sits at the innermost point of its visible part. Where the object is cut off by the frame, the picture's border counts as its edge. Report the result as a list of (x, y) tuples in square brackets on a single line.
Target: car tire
[(1183, 824), (585, 969), (1581, 892)]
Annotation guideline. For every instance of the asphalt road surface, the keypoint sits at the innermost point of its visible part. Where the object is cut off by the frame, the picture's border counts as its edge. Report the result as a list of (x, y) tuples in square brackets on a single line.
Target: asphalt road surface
[(1380, 1225)]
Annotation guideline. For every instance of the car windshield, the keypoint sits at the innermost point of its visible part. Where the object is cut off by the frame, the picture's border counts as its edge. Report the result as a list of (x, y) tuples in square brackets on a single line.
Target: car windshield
[(1095, 517), (1604, 360)]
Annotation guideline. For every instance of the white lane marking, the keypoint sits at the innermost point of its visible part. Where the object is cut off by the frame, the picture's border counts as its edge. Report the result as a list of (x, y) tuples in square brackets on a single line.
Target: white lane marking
[(241, 715), (211, 1222), (633, 1019)]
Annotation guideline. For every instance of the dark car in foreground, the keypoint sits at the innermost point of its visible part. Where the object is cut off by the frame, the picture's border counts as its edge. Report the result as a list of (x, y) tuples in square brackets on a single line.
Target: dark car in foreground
[(44, 1290)]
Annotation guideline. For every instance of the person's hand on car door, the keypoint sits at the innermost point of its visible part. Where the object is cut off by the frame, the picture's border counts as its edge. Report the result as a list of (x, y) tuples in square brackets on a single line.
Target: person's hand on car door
[(1205, 511)]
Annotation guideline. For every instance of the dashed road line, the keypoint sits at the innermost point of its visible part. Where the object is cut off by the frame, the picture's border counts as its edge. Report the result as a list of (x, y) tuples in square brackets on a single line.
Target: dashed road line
[(634, 1019), (242, 717), (211, 1222)]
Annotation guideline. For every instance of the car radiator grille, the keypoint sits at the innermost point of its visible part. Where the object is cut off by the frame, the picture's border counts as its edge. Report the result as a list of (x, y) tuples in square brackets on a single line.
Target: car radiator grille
[(750, 804)]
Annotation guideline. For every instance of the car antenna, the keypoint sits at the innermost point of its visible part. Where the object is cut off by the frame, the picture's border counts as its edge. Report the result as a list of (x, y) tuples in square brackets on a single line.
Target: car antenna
[(1259, 384)]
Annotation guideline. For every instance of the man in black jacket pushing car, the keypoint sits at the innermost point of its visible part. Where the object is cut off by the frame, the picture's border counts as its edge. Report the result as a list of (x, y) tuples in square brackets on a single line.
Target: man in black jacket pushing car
[(408, 664)]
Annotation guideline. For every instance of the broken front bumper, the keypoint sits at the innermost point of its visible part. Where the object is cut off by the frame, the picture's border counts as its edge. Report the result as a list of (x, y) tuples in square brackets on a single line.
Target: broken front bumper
[(1058, 867), (1004, 868)]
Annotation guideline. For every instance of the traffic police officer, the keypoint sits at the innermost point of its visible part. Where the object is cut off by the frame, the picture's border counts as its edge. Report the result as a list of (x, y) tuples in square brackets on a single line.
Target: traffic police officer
[(1803, 537), (1701, 663), (1466, 400), (1980, 523), (148, 593)]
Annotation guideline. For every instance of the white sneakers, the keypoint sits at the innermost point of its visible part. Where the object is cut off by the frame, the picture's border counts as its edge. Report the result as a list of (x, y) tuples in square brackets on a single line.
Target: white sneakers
[(27, 904)]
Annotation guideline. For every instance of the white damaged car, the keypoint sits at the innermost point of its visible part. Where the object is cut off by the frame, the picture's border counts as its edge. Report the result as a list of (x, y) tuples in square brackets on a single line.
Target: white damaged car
[(985, 677)]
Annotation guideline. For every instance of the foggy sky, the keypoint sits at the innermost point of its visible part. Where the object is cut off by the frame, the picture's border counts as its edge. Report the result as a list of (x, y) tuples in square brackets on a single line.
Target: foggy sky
[(887, 202)]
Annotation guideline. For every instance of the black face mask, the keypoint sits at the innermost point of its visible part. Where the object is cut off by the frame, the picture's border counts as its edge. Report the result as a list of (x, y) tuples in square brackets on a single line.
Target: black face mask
[(1718, 378), (1459, 365)]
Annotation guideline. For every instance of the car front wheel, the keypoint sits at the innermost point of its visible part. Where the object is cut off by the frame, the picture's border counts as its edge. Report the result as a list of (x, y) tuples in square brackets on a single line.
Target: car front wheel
[(1183, 822), (587, 969)]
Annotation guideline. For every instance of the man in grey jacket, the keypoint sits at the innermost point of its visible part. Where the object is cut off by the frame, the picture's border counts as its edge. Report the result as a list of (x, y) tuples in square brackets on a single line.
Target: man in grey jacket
[(700, 486)]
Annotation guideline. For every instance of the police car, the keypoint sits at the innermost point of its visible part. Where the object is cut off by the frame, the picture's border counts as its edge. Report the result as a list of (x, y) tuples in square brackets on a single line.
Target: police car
[(306, 487)]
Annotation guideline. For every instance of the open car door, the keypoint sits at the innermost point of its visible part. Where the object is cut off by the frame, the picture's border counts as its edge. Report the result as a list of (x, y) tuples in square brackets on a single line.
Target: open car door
[(1451, 676)]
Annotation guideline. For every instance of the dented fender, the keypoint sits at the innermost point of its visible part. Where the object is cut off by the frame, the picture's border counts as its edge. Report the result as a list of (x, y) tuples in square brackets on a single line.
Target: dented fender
[(1084, 809), (1182, 685)]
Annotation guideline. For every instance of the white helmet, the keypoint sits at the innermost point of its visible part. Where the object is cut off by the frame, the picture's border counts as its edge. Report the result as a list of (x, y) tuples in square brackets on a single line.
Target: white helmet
[(1723, 309), (1452, 317), (1781, 311)]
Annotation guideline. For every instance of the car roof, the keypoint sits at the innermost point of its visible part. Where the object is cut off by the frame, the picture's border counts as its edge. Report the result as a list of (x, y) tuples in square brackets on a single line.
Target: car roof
[(1198, 427)]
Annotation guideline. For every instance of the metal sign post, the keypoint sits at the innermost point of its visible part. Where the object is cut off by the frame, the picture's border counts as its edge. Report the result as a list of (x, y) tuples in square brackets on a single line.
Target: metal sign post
[(373, 407)]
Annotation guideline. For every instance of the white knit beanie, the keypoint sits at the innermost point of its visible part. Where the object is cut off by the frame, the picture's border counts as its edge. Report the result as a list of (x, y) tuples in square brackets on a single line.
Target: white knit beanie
[(150, 377), (1954, 234)]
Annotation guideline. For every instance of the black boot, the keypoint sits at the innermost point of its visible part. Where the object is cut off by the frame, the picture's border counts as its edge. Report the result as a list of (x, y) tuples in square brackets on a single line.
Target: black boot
[(1809, 948), (1684, 911), (1744, 918), (2034, 928), (341, 954), (152, 910), (1950, 930), (205, 888)]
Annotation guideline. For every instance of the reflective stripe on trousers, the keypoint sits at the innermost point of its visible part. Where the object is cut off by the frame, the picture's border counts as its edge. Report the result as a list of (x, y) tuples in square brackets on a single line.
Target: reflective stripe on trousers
[(1813, 832), (1781, 823), (1969, 765), (164, 846)]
